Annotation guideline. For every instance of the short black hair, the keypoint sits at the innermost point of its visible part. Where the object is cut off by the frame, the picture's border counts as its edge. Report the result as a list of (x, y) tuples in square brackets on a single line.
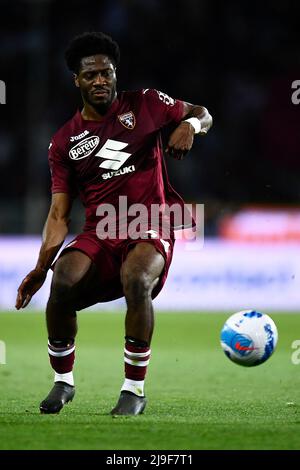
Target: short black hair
[(88, 44)]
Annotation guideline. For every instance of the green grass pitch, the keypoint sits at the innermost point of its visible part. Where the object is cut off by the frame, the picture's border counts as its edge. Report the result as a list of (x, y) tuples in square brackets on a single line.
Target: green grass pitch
[(197, 398)]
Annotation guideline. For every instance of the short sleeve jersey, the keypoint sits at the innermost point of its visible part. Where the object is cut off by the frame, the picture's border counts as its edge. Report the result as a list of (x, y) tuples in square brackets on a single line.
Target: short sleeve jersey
[(121, 155)]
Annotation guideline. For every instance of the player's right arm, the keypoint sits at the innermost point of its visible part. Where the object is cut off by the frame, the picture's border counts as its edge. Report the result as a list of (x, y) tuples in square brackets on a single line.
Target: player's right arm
[(54, 234)]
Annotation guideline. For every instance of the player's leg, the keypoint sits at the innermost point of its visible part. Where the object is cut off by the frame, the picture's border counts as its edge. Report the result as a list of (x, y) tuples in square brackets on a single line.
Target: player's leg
[(68, 280), (71, 274), (140, 273)]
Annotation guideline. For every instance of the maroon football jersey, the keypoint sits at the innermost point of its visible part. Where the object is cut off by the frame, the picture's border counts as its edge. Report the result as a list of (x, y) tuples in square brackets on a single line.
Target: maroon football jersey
[(120, 155)]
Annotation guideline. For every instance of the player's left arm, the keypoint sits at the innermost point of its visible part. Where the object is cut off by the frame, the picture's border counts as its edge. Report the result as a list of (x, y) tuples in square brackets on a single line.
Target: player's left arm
[(195, 120)]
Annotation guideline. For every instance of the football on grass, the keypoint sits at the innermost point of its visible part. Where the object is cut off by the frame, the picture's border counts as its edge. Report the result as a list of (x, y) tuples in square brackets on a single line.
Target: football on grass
[(249, 338)]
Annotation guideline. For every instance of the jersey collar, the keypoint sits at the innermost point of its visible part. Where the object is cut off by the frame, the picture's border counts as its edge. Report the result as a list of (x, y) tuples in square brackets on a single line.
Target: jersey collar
[(114, 106)]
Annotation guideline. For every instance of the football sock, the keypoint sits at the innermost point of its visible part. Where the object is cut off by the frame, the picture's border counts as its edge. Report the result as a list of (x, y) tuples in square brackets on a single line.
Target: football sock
[(67, 378), (62, 356), (136, 359)]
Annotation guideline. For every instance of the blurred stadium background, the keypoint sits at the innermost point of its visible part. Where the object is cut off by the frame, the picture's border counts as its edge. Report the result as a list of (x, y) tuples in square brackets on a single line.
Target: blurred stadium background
[(237, 58)]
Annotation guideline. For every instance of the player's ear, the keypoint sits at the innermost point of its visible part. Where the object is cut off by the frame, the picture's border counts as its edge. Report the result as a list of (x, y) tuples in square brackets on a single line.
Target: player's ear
[(76, 80)]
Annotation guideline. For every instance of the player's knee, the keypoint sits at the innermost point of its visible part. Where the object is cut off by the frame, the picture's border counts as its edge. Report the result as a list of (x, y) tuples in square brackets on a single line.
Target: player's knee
[(61, 289), (137, 285)]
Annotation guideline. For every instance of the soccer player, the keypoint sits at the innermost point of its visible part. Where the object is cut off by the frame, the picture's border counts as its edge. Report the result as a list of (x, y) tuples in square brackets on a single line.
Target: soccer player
[(112, 148)]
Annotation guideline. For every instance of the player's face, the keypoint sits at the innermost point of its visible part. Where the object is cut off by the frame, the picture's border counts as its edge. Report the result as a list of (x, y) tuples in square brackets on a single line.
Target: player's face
[(97, 82)]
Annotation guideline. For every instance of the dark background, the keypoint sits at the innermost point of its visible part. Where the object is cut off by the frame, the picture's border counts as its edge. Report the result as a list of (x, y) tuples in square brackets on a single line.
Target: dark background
[(237, 58)]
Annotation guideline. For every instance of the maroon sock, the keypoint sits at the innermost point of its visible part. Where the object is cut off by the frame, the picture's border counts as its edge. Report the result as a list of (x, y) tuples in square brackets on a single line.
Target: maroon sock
[(136, 360), (61, 355)]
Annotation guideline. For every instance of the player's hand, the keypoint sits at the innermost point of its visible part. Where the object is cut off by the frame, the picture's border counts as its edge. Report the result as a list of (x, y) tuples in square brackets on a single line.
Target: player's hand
[(181, 141), (29, 286)]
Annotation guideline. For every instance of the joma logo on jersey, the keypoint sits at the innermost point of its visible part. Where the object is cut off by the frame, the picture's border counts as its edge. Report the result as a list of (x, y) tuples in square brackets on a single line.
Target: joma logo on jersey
[(123, 171), (84, 148), (79, 136)]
